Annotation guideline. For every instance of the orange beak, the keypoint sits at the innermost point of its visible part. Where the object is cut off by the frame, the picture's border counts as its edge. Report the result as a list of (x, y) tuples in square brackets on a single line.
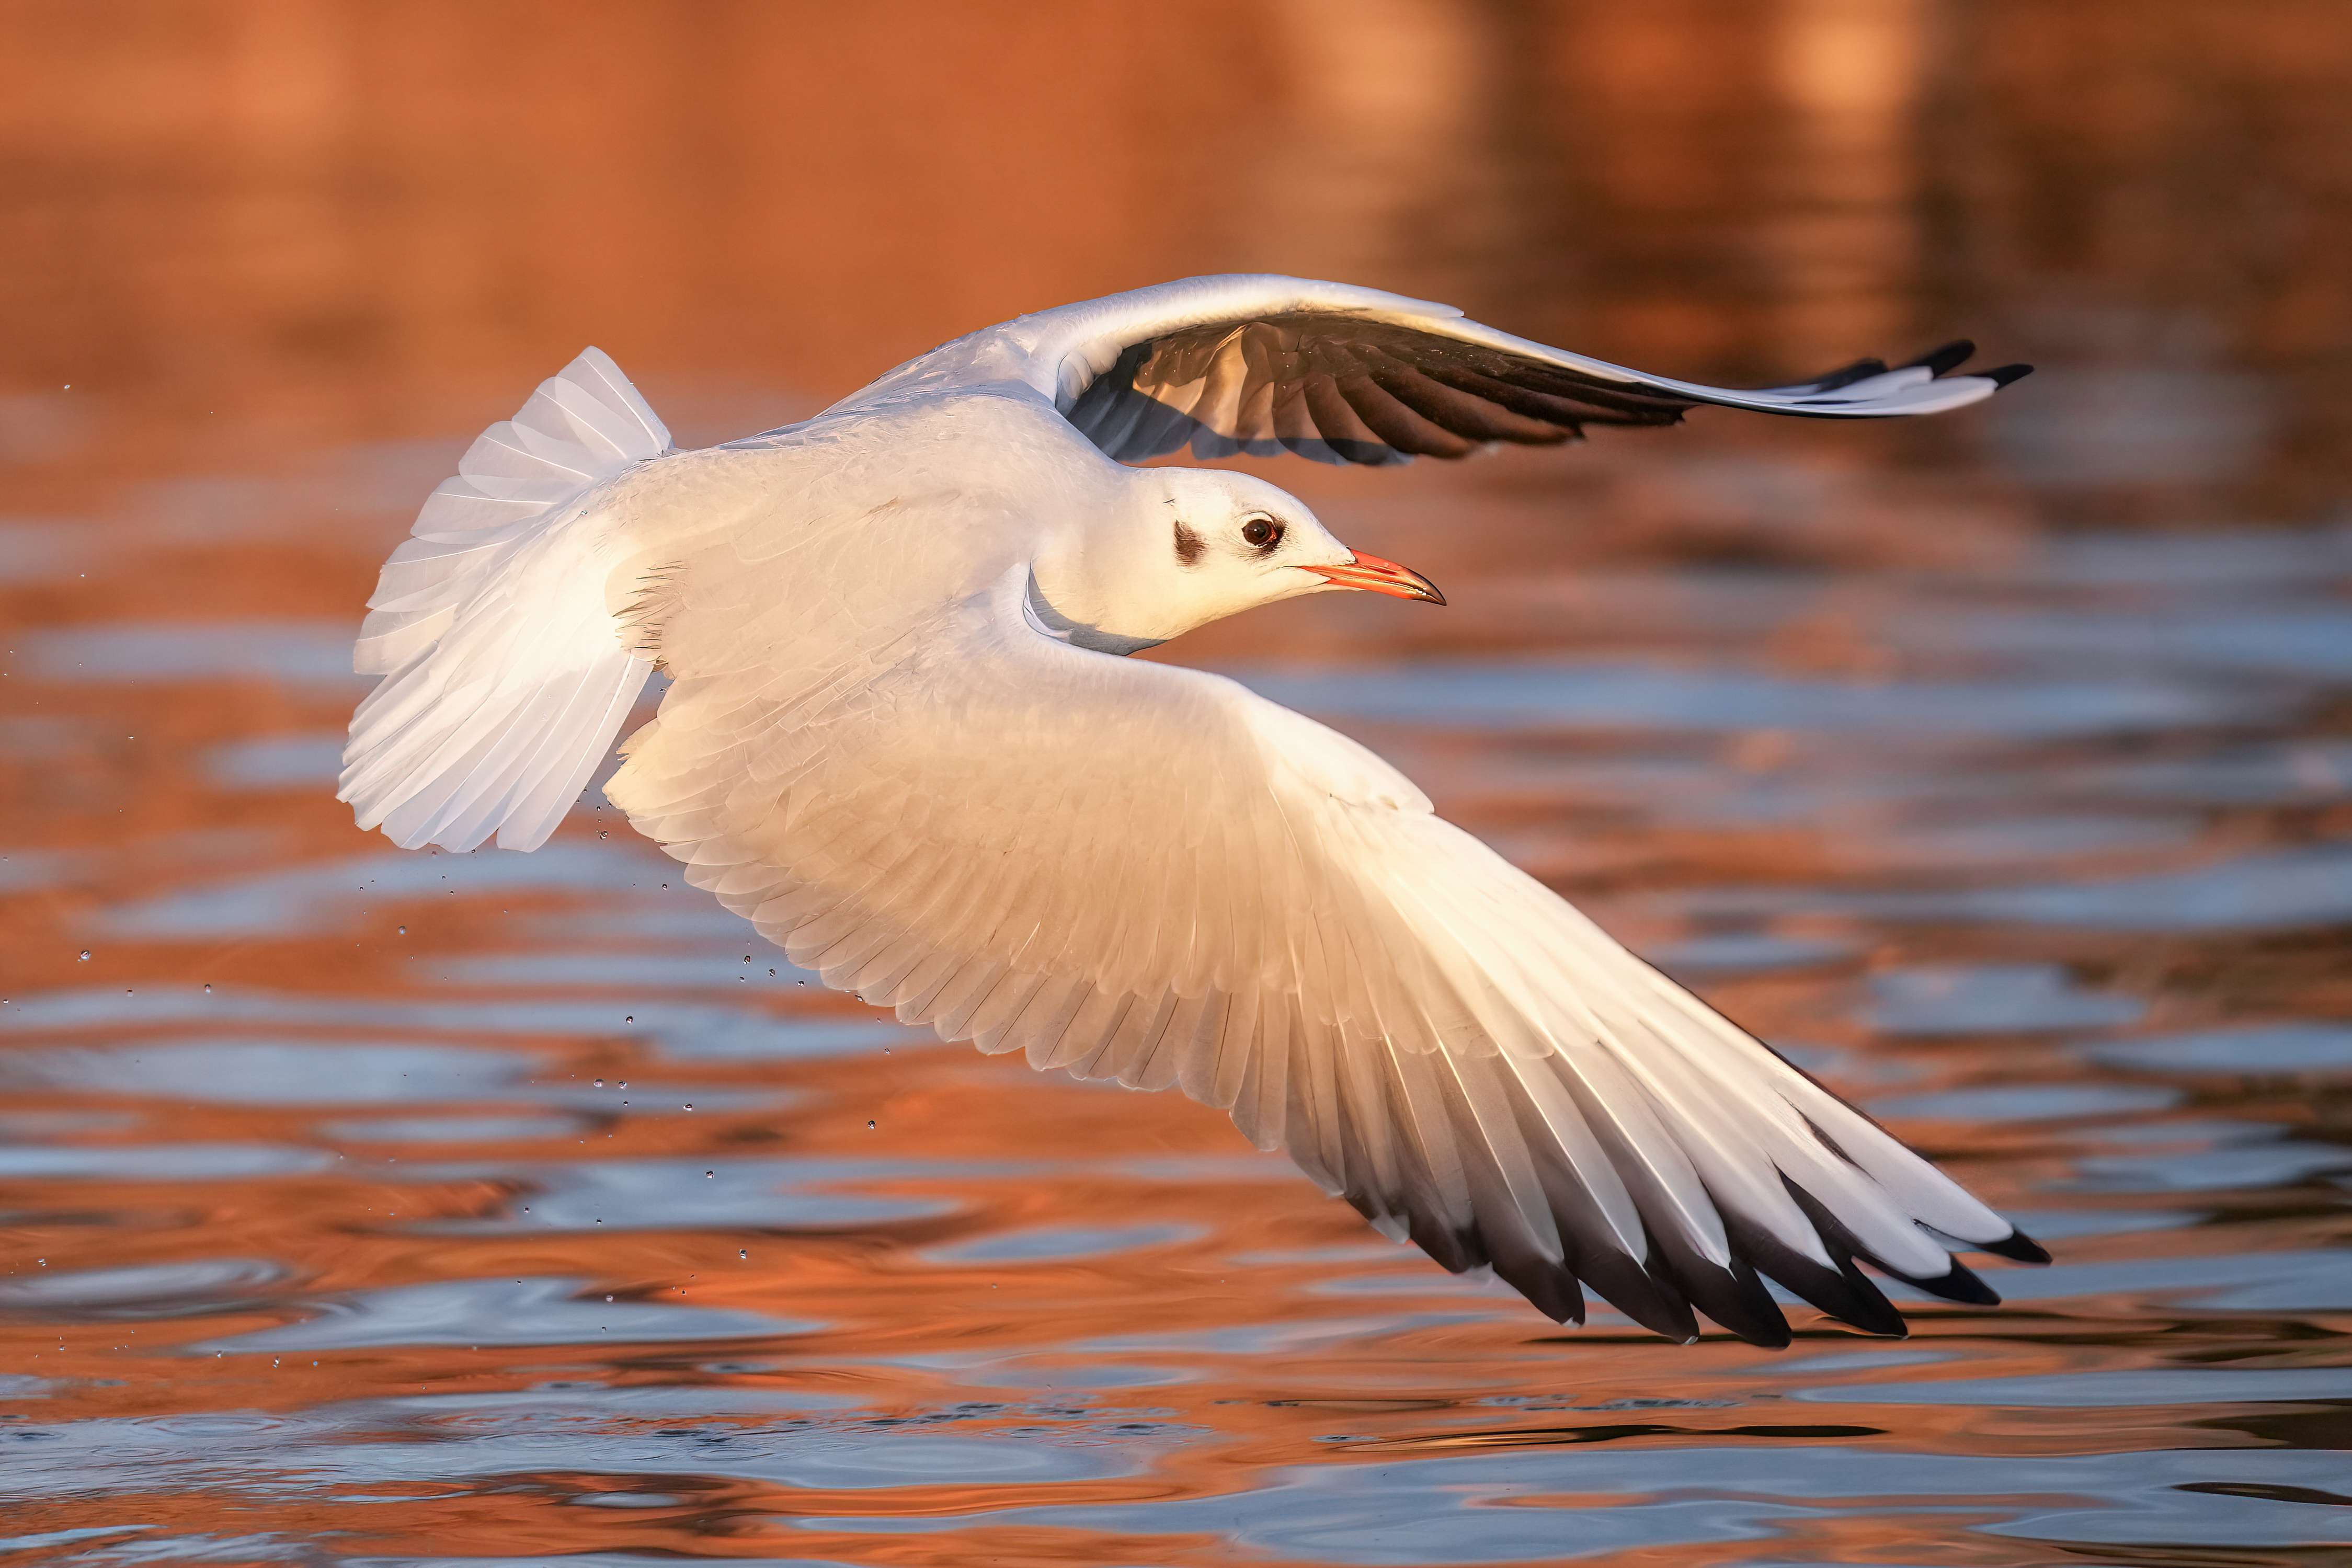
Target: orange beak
[(1374, 575)]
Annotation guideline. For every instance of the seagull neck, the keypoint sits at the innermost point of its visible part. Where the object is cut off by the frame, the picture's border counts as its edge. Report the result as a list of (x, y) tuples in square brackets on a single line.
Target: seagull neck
[(1041, 616)]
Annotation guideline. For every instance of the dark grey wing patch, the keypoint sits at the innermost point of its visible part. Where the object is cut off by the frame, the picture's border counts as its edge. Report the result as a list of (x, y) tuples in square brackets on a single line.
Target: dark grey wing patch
[(1340, 389)]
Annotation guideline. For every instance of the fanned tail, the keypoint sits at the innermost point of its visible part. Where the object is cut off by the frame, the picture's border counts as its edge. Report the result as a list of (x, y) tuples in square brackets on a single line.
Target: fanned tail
[(505, 676)]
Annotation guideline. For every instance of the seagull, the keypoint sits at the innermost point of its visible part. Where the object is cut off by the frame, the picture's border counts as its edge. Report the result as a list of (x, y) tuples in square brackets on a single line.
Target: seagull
[(901, 737)]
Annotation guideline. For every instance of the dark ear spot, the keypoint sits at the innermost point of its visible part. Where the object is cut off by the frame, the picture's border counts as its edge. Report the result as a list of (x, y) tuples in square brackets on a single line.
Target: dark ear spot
[(1188, 544)]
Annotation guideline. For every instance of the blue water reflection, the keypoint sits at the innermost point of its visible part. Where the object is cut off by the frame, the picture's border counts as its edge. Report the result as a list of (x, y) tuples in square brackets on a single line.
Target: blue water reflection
[(1520, 695)]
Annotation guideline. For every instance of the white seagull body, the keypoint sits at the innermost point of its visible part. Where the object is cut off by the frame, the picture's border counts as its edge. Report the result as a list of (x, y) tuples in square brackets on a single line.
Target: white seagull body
[(900, 741)]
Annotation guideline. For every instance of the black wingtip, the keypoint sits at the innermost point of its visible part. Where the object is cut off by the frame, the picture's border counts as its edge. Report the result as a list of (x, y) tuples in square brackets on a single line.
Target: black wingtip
[(1655, 1303), (2001, 375), (2017, 1246), (1847, 375), (1943, 361), (1550, 1288), (1960, 1285), (1855, 1301), (1736, 1299), (1839, 1289)]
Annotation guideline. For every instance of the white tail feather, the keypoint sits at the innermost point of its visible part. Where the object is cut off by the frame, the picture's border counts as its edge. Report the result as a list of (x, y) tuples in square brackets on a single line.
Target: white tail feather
[(504, 678)]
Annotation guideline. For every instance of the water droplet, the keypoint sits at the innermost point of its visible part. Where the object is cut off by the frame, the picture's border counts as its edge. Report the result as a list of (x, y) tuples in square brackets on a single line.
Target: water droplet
[(870, 1126), (601, 834), (208, 990), (689, 1104), (740, 1253), (707, 1175), (608, 1298), (85, 957), (630, 1019), (404, 930), (599, 1083)]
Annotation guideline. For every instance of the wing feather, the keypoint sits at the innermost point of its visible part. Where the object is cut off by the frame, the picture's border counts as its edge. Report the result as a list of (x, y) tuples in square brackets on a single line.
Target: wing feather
[(1146, 874), (1264, 364)]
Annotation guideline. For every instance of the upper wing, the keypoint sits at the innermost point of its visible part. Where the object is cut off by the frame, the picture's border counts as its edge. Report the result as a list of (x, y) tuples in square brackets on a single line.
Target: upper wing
[(1138, 871), (1267, 364)]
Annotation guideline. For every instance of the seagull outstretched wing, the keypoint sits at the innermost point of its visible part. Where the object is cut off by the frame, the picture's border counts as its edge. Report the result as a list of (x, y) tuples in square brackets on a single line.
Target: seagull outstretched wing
[(1137, 872), (1267, 364)]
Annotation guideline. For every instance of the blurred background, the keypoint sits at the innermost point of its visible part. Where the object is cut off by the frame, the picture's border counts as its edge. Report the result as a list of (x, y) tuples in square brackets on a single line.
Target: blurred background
[(1997, 767)]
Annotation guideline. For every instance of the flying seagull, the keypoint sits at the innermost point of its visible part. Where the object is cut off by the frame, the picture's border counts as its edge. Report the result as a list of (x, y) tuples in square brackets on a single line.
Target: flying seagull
[(901, 741)]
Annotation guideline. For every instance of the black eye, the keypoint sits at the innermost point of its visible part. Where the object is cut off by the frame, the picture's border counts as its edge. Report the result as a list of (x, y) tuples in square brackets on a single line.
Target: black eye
[(1262, 533)]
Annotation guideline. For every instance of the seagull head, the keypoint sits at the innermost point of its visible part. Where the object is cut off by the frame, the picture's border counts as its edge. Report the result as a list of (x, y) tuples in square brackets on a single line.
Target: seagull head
[(1184, 547)]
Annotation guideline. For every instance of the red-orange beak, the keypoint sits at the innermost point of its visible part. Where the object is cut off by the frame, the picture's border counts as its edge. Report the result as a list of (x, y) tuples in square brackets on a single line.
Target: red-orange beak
[(1374, 575)]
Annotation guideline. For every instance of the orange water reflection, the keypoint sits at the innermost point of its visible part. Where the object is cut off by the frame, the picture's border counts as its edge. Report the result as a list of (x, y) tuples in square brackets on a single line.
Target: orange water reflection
[(2003, 767)]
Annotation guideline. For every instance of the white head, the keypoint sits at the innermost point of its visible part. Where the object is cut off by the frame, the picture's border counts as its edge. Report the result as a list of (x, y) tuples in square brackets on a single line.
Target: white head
[(1180, 548)]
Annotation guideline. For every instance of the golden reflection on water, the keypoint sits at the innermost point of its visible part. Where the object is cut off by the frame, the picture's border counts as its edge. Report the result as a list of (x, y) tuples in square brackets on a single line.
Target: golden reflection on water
[(2000, 768)]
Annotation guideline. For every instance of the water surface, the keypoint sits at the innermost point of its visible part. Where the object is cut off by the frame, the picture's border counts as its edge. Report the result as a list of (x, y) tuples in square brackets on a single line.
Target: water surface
[(369, 1206)]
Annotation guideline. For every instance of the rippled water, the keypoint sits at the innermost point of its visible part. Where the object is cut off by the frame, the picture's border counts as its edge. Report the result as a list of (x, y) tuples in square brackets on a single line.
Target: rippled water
[(370, 1207), (497, 1206)]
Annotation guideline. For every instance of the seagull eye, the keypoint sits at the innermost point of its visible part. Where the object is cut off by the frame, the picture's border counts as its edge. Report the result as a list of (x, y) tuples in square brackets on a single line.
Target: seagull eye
[(1262, 533)]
